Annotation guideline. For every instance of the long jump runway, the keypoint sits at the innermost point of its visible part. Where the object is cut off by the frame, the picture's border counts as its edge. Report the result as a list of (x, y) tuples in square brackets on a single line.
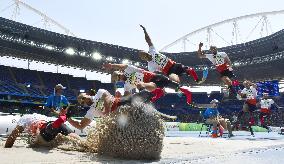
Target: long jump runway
[(179, 147)]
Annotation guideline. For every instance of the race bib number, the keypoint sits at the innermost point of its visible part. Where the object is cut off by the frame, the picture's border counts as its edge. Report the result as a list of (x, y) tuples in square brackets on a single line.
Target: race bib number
[(160, 60), (266, 103), (250, 94), (99, 105), (132, 79), (219, 60)]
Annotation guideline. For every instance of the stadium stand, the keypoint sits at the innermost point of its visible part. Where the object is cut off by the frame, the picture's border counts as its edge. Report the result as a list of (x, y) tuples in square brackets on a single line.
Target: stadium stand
[(24, 89), (25, 85), (25, 41)]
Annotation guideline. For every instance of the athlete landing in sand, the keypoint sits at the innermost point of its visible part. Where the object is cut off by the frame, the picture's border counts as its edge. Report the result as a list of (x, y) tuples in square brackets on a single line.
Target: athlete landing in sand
[(39, 129), (104, 103)]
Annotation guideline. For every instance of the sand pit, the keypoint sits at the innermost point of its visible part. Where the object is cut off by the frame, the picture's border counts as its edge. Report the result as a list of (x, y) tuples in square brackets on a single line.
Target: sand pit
[(131, 132), (187, 149), (120, 138)]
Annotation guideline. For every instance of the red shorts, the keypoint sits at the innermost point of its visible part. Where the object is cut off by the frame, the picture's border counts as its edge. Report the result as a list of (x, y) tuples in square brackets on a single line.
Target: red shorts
[(251, 101), (37, 125), (265, 110), (222, 67), (148, 76), (168, 66)]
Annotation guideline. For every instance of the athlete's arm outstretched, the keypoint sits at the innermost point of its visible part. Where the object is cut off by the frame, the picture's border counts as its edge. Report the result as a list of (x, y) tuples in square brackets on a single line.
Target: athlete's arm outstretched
[(80, 125), (110, 66), (147, 37)]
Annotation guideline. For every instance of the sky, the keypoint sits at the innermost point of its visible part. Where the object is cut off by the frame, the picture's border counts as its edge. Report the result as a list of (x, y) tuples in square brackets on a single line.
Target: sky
[(117, 21)]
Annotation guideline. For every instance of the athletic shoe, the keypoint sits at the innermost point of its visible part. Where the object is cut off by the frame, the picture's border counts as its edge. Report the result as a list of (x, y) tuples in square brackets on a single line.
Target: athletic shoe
[(269, 129), (214, 135), (187, 93)]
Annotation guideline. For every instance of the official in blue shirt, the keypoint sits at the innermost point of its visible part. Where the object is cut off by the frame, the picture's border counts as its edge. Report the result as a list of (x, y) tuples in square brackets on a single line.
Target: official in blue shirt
[(212, 116), (57, 101)]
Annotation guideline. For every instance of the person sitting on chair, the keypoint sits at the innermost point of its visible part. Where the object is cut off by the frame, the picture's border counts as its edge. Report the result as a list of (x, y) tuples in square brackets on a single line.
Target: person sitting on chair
[(212, 116)]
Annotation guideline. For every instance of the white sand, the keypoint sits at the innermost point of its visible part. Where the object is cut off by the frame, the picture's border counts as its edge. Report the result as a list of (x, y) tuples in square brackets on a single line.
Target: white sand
[(176, 150)]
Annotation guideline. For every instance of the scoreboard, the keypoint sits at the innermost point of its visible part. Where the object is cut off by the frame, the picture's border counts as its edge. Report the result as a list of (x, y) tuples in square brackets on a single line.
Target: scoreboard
[(270, 87)]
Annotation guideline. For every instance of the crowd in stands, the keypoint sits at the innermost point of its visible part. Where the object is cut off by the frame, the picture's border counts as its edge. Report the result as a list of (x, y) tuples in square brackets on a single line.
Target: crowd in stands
[(31, 89), (267, 45), (33, 86), (25, 90), (241, 52)]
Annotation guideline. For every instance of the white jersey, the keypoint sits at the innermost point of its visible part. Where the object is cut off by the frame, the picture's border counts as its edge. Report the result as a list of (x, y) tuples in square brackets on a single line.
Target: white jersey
[(93, 112), (96, 109), (219, 59), (158, 62), (133, 75), (250, 93), (28, 119), (266, 103)]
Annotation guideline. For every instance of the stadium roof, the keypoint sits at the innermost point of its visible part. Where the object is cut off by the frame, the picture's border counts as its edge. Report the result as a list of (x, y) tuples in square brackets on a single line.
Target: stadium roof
[(260, 59)]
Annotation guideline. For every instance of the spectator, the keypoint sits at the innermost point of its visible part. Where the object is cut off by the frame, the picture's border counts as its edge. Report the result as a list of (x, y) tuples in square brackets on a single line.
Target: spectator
[(212, 117)]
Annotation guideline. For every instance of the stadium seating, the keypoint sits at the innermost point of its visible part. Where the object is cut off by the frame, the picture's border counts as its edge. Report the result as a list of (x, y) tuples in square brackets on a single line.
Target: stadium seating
[(32, 87), (5, 73), (33, 84), (35, 92), (79, 83), (24, 76)]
